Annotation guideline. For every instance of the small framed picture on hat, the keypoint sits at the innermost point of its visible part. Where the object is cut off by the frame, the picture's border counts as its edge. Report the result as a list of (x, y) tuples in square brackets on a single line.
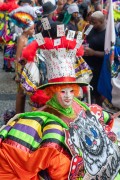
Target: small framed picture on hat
[(45, 23)]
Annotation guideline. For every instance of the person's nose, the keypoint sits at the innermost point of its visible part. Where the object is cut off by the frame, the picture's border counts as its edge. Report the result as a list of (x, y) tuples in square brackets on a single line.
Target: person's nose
[(67, 94), (76, 14)]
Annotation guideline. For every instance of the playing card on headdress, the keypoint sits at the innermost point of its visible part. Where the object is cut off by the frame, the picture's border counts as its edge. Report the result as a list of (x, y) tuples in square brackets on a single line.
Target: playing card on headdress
[(88, 30), (70, 35), (61, 53), (54, 54), (47, 54), (79, 44), (57, 42), (45, 23), (39, 38), (79, 37), (71, 54), (60, 30)]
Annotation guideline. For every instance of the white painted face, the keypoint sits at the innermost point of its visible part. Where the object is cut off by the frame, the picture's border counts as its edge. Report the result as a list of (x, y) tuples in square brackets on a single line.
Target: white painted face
[(65, 97)]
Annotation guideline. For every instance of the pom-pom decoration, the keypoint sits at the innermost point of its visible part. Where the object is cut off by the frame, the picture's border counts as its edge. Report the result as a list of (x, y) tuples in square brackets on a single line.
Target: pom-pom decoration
[(30, 51), (40, 98), (8, 7)]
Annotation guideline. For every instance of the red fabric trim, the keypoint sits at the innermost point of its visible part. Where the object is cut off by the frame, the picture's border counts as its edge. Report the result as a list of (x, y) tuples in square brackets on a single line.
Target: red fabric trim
[(17, 145), (63, 79)]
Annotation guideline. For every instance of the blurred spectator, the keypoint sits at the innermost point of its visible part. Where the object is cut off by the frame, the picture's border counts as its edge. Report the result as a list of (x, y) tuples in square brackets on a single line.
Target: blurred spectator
[(94, 52), (79, 1), (38, 2), (27, 25), (67, 4), (6, 34), (73, 12), (96, 5), (22, 2), (48, 11), (60, 5), (85, 13), (73, 8), (52, 1)]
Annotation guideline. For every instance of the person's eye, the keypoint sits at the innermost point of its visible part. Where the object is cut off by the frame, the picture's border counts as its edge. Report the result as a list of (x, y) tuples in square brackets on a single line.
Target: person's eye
[(62, 92), (71, 91)]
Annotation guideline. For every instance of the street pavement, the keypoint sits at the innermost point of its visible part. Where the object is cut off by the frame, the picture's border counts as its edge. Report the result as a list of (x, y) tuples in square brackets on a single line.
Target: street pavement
[(8, 89)]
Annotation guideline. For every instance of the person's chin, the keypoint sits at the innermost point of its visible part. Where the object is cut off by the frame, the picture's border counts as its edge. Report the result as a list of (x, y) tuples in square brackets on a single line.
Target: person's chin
[(67, 105)]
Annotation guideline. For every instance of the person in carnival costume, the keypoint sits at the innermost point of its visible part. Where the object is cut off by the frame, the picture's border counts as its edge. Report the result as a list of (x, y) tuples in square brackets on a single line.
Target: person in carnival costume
[(65, 139), (31, 76), (34, 73), (6, 34), (23, 17)]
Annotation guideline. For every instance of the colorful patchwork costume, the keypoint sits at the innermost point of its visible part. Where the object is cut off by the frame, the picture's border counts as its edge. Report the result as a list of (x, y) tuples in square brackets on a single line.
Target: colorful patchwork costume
[(6, 32), (62, 142)]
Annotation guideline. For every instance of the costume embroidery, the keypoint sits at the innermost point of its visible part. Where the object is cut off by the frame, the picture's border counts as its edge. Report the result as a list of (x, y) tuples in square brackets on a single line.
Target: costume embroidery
[(101, 157)]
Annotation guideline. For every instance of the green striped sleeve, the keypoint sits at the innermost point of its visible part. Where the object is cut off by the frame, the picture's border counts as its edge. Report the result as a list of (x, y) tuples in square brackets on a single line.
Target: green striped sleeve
[(54, 136), (24, 137)]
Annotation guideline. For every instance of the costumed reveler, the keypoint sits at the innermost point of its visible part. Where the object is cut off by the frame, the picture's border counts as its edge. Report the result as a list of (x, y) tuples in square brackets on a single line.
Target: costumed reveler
[(66, 138), (6, 34), (24, 18)]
